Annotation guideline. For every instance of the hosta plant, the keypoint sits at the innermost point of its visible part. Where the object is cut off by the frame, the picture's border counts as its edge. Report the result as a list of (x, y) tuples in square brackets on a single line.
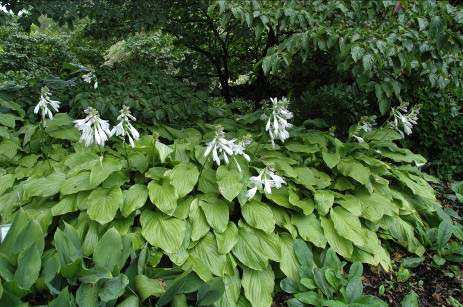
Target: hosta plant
[(162, 223)]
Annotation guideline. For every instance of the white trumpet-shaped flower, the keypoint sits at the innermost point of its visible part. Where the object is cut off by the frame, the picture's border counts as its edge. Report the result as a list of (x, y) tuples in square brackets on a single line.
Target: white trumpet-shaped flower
[(277, 122), (402, 121), (88, 77), (267, 179), (94, 129), (45, 104), (220, 147), (125, 128)]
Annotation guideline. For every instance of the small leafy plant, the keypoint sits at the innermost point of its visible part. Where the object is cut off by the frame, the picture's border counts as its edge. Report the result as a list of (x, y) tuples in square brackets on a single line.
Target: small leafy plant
[(324, 281)]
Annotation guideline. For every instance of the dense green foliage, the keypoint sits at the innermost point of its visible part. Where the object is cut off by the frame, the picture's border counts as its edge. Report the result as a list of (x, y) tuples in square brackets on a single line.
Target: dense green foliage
[(162, 222)]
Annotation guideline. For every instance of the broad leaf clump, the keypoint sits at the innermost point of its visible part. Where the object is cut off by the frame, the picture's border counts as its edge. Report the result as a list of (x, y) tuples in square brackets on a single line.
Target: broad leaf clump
[(165, 222)]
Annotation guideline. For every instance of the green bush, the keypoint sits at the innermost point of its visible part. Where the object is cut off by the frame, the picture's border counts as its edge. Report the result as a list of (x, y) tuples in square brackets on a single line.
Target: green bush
[(438, 133), (161, 223)]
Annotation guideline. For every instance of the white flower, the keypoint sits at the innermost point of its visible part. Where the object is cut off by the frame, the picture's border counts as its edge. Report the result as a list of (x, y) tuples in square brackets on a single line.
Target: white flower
[(267, 179), (88, 77), (220, 147), (45, 103), (403, 122), (277, 122), (94, 129), (124, 128)]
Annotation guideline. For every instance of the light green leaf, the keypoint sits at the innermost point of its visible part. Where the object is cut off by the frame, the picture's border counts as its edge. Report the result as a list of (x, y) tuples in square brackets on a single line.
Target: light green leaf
[(163, 196), (229, 181), (108, 251), (163, 150), (258, 286), (410, 300), (184, 177), (134, 198), (77, 183), (216, 212), (113, 288), (309, 229), (29, 263), (306, 204), (44, 187), (65, 205), (227, 239), (324, 200), (102, 169), (6, 182), (311, 177), (288, 262), (354, 169), (162, 231), (199, 225), (147, 287), (210, 292), (339, 244), (131, 301), (348, 226), (87, 295), (7, 120), (331, 158), (258, 215), (206, 254), (103, 204), (232, 290)]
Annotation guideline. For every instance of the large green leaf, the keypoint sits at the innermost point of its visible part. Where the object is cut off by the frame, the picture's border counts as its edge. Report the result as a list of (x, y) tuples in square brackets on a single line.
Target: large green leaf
[(258, 286), (87, 295), (324, 200), (77, 183), (147, 287), (210, 292), (184, 177), (6, 182), (163, 196), (102, 169), (227, 239), (309, 229), (355, 170), (215, 211), (205, 253), (229, 181), (163, 150), (232, 290), (311, 177), (162, 231), (113, 288), (103, 204), (134, 198), (258, 215), (339, 244), (44, 187), (199, 225), (348, 226), (108, 251), (29, 263)]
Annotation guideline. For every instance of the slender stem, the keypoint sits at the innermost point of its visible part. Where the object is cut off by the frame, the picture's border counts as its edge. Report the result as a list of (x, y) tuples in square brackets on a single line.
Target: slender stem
[(126, 156)]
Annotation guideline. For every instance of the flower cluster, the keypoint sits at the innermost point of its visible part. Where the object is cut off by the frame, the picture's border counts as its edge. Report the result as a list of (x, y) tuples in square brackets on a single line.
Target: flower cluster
[(94, 129), (403, 120), (277, 122), (45, 104), (221, 148), (267, 179), (125, 128), (366, 124)]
